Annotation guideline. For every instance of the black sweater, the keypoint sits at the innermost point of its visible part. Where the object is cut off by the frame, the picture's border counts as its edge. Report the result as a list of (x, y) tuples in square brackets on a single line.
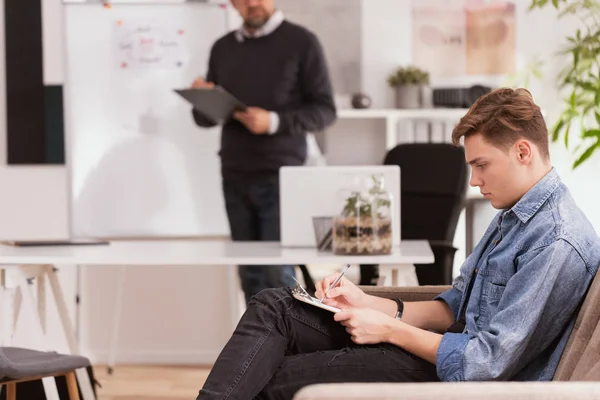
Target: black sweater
[(285, 72)]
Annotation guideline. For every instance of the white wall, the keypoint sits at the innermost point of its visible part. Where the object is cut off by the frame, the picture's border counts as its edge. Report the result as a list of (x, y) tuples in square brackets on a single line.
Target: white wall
[(34, 201)]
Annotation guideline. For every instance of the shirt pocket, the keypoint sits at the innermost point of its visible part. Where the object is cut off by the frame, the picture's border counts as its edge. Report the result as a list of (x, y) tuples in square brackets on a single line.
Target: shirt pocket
[(488, 306)]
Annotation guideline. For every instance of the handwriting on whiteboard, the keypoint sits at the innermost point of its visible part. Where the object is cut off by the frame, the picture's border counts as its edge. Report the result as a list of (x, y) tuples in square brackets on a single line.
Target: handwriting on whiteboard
[(148, 44)]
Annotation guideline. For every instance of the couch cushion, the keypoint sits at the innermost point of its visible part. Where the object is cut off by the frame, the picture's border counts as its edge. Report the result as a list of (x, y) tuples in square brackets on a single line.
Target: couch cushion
[(593, 374), (582, 351)]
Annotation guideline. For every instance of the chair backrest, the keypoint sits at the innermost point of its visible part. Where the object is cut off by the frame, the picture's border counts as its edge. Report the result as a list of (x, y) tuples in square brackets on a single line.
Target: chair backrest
[(433, 188), (581, 358)]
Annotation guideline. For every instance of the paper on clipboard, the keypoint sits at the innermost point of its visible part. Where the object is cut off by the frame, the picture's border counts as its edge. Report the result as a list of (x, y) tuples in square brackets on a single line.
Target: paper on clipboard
[(300, 294)]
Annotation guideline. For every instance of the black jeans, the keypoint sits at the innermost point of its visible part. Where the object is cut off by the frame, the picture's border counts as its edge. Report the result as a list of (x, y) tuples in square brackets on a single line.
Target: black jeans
[(281, 345), (253, 212)]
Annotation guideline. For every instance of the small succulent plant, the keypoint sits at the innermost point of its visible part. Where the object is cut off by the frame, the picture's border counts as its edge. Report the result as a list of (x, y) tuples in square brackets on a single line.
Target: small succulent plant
[(410, 75)]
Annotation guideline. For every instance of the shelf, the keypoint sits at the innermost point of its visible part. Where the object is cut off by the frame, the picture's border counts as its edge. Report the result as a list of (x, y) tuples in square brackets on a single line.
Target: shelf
[(420, 113)]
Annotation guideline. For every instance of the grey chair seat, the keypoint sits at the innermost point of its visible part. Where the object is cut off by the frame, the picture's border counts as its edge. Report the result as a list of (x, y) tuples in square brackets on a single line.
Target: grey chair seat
[(18, 363)]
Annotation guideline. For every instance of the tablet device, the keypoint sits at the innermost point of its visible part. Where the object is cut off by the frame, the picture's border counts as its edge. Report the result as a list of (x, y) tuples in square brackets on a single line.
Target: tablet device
[(216, 103), (42, 243)]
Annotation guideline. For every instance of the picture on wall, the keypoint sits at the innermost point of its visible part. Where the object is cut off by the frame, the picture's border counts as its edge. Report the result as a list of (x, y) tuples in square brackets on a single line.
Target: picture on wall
[(439, 36), (464, 37)]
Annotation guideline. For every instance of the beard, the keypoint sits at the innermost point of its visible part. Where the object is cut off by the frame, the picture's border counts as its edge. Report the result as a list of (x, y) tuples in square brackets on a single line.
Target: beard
[(256, 21)]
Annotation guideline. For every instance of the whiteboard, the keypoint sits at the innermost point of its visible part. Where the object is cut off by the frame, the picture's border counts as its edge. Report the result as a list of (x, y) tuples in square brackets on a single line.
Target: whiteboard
[(140, 166)]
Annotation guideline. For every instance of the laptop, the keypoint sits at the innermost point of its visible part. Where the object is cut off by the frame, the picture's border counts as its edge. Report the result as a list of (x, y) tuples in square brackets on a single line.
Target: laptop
[(310, 192)]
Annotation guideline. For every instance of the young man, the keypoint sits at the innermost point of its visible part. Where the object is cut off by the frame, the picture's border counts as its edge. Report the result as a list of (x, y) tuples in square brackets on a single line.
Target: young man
[(279, 70), (507, 316)]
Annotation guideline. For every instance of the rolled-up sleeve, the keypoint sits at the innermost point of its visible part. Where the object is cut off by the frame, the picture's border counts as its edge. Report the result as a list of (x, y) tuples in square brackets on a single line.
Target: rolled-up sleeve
[(536, 305), (450, 356), (453, 298)]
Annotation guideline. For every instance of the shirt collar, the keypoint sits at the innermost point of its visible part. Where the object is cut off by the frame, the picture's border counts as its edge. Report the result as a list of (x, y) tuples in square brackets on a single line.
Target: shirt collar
[(531, 202), (273, 23)]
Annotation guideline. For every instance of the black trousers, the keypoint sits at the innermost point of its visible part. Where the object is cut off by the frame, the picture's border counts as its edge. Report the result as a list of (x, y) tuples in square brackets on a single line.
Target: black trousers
[(253, 212), (281, 345)]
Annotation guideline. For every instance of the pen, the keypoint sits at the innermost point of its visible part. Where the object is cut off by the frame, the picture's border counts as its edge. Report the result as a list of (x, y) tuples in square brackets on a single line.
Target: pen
[(337, 280)]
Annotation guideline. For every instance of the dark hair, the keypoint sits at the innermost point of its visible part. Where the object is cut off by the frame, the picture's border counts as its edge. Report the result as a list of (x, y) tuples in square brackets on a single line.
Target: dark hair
[(503, 116)]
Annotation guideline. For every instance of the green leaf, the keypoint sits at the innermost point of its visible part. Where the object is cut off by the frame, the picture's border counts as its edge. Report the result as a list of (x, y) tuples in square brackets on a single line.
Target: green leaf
[(570, 9), (589, 86), (556, 129), (596, 112), (567, 137), (591, 133), (586, 154)]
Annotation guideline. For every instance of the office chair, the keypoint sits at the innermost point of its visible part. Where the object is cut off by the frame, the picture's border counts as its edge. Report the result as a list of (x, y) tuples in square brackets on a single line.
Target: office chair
[(433, 187)]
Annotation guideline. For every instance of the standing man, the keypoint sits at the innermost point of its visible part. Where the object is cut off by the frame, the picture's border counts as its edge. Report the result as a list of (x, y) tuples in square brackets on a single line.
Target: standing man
[(278, 69)]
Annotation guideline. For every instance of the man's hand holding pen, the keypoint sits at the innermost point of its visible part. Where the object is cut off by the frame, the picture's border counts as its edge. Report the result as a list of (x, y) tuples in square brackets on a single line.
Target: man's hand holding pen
[(365, 324), (344, 295)]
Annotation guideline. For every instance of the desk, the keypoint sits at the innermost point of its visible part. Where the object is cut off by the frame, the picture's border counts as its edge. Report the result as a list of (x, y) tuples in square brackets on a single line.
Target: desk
[(38, 262)]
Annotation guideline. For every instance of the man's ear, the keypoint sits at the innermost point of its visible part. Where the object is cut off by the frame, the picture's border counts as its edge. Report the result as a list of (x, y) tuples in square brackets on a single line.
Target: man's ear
[(524, 151)]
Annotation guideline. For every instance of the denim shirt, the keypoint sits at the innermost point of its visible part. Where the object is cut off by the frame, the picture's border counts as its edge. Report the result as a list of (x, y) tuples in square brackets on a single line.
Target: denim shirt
[(530, 273)]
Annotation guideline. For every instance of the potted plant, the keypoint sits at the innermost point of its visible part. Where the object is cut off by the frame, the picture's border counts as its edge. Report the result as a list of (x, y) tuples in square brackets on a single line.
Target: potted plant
[(365, 224), (408, 83), (579, 79)]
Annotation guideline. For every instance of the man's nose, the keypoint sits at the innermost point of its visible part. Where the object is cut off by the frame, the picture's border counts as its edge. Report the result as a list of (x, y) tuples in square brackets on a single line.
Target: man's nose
[(474, 181)]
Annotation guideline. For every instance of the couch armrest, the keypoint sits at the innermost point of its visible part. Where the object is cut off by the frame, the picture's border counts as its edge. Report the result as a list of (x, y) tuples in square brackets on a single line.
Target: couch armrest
[(452, 391), (412, 293)]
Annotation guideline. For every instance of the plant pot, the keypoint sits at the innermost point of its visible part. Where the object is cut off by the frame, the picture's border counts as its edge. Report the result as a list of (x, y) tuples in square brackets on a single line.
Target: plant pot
[(409, 96), (362, 236)]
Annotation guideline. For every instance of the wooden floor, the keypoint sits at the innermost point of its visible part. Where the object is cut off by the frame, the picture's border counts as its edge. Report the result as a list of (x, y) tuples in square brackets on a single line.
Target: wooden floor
[(150, 383)]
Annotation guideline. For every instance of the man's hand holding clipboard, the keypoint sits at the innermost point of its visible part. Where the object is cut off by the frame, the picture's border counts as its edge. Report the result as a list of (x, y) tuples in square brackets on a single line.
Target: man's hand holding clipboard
[(256, 119), (218, 105), (212, 101)]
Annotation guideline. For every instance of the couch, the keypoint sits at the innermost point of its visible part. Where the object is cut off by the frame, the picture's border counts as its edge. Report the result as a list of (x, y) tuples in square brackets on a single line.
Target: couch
[(577, 376)]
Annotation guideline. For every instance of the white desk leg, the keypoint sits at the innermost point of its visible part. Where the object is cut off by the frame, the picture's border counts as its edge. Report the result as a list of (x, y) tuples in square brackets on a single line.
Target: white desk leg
[(233, 287), (385, 275), (18, 300), (398, 275), (5, 316), (69, 330), (41, 299), (114, 338), (40, 336)]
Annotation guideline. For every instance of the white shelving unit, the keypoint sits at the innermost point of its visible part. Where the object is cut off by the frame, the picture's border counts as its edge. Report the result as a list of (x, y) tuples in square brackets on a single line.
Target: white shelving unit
[(393, 117)]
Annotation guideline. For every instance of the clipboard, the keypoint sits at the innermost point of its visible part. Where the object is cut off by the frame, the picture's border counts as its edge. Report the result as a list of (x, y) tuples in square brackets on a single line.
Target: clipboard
[(216, 103), (301, 294)]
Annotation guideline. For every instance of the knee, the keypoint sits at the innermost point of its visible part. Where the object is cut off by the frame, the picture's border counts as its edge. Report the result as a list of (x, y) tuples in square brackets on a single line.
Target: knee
[(272, 296)]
